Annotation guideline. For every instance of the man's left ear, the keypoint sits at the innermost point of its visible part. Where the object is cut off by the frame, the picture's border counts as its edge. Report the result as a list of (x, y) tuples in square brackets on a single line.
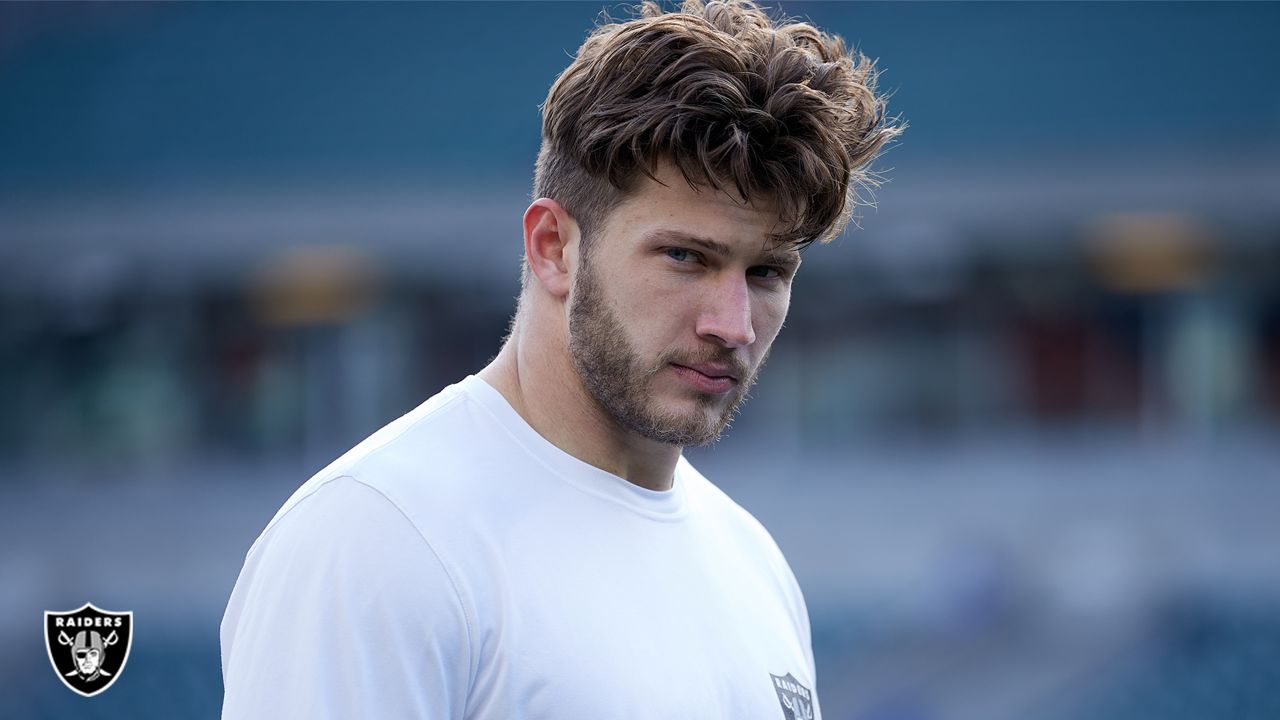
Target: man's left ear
[(551, 245)]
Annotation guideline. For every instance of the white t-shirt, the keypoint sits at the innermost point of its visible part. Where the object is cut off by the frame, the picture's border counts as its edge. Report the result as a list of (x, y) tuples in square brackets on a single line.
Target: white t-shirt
[(456, 564)]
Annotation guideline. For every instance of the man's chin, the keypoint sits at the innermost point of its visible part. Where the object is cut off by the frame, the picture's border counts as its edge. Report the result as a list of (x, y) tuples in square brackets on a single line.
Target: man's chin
[(682, 437), (687, 429)]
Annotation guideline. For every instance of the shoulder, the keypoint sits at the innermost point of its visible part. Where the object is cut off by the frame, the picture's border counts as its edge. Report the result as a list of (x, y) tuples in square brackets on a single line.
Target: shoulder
[(737, 532), (716, 504), (338, 580), (427, 458), (433, 483), (340, 511), (450, 425), (346, 535)]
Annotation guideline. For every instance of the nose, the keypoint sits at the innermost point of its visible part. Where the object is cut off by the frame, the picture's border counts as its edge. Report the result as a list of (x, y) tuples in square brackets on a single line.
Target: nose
[(725, 316)]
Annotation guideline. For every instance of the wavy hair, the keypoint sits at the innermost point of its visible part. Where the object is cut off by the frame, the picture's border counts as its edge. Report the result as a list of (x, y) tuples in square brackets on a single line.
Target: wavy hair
[(738, 103)]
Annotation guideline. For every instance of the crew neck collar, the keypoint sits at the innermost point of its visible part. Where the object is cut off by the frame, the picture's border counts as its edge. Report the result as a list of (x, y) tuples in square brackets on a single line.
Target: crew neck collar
[(669, 504)]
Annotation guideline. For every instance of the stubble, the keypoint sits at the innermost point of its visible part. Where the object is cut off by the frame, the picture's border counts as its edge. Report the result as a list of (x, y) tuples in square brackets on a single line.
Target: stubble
[(613, 373)]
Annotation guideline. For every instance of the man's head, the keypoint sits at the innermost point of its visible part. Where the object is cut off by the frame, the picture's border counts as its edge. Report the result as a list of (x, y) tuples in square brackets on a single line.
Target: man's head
[(88, 650), (686, 159)]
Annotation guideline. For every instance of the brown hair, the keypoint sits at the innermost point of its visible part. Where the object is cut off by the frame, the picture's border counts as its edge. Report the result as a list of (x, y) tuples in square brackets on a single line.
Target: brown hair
[(738, 103)]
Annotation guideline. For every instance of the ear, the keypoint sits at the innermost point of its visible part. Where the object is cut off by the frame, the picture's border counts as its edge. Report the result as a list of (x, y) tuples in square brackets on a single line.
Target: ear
[(551, 245)]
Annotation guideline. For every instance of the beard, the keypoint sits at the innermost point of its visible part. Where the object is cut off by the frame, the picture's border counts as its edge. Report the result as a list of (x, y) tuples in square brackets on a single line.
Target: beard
[(617, 379)]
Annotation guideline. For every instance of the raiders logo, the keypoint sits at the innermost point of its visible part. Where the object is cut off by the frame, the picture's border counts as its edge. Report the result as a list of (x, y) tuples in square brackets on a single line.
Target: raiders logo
[(796, 699), (88, 647)]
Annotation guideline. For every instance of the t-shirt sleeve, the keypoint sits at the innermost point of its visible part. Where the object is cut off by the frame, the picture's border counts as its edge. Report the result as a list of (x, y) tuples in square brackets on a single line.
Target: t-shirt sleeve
[(343, 610)]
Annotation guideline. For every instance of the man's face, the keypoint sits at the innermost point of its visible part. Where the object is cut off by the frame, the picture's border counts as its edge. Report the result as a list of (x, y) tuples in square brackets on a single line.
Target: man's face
[(675, 306), (87, 660)]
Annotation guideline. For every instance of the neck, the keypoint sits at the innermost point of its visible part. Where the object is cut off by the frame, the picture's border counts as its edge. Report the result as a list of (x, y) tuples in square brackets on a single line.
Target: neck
[(534, 373)]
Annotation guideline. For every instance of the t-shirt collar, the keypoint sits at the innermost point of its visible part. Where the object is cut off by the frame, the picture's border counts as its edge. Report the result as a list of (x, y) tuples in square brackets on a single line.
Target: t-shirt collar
[(659, 504)]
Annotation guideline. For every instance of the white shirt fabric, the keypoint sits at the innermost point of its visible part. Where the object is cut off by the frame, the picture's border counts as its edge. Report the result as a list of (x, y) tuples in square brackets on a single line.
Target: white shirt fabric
[(456, 564)]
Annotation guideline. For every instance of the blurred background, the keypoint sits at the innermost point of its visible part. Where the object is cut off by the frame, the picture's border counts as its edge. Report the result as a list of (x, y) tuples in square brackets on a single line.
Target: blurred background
[(1018, 438)]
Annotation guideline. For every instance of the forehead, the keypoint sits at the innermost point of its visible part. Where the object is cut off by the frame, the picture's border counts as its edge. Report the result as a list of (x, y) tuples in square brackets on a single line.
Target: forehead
[(673, 206)]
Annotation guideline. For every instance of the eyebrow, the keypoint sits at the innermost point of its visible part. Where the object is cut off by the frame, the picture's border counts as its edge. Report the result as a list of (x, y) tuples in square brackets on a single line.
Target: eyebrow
[(791, 257), (662, 235)]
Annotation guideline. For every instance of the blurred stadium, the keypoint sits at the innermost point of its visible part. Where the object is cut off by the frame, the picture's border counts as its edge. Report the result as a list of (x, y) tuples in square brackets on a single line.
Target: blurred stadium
[(1018, 438)]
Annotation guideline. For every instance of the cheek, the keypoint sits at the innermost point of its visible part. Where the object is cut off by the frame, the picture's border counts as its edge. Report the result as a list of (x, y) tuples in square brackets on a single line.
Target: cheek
[(658, 313), (662, 325), (770, 313)]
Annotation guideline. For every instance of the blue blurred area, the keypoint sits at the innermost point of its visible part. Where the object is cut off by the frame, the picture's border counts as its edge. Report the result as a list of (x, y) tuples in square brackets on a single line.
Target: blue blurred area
[(147, 92), (1018, 438)]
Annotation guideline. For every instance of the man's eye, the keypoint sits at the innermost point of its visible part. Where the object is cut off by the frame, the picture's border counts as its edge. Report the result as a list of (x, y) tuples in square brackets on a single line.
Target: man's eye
[(768, 272), (681, 255)]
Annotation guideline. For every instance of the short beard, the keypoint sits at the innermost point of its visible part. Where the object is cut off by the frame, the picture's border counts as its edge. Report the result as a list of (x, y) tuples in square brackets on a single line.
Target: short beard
[(611, 372)]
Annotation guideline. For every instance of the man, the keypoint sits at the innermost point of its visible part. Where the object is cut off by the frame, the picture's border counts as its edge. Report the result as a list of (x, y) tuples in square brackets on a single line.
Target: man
[(530, 543)]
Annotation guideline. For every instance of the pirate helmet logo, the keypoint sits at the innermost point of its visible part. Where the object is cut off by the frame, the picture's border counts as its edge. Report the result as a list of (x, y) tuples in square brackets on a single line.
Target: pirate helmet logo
[(88, 647)]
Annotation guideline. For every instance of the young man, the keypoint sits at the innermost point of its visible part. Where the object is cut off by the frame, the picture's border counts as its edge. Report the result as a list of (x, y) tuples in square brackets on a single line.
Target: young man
[(530, 543)]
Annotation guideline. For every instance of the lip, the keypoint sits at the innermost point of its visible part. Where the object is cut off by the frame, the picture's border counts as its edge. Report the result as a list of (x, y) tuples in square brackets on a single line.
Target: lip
[(713, 370), (712, 379)]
